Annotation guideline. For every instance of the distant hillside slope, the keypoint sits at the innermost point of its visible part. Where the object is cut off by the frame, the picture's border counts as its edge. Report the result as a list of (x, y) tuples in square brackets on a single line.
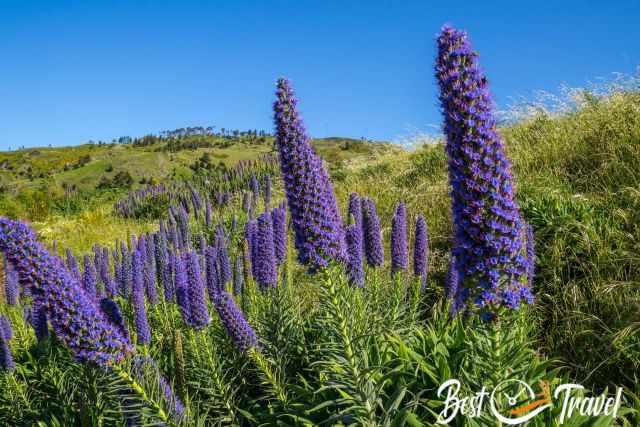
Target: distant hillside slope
[(35, 176), (84, 165)]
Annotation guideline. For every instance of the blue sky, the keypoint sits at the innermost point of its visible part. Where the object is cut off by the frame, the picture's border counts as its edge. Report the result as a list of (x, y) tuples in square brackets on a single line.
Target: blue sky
[(73, 71)]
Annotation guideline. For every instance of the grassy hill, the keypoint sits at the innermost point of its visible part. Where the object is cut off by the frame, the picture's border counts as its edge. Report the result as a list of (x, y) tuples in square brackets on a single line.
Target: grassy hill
[(57, 189)]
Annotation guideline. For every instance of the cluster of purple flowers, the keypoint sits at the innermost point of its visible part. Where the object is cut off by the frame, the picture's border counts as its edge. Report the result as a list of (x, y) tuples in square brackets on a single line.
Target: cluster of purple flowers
[(76, 319), (6, 333), (399, 246), (241, 333), (11, 289), (421, 250), (316, 221), (488, 228), (373, 250), (137, 200), (264, 257)]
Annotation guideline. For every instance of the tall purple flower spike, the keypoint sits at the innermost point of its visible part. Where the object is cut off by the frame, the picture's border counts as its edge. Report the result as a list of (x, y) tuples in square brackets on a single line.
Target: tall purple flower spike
[(75, 318), (373, 251), (279, 220), (89, 277), (6, 358), (181, 288), (5, 327), (105, 274), (11, 289), (355, 268), (241, 333), (265, 271), (39, 320), (199, 315), (488, 228), (212, 275), (72, 264), (143, 332), (399, 246), (421, 250), (316, 221)]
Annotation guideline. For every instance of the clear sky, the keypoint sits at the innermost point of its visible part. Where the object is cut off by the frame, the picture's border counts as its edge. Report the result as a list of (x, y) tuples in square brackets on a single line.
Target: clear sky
[(78, 70)]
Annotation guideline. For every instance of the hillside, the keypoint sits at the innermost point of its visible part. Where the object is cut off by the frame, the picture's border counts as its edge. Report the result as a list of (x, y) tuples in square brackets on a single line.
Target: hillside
[(36, 182)]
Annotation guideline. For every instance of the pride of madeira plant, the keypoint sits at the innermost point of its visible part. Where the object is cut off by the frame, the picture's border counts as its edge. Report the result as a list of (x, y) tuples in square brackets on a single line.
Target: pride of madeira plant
[(488, 228), (209, 320)]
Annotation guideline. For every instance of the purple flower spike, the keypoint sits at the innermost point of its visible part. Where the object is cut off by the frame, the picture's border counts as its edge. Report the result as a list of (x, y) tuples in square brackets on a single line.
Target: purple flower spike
[(354, 261), (127, 276), (199, 315), (488, 228), (224, 265), (255, 187), (150, 284), (75, 318), (265, 271), (182, 285), (452, 279), (38, 320), (421, 250), (112, 311), (6, 358), (241, 333), (105, 274), (399, 246), (89, 279), (211, 273), (246, 201), (279, 219), (316, 221), (11, 288), (72, 264), (137, 298), (168, 272), (373, 250), (5, 327)]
